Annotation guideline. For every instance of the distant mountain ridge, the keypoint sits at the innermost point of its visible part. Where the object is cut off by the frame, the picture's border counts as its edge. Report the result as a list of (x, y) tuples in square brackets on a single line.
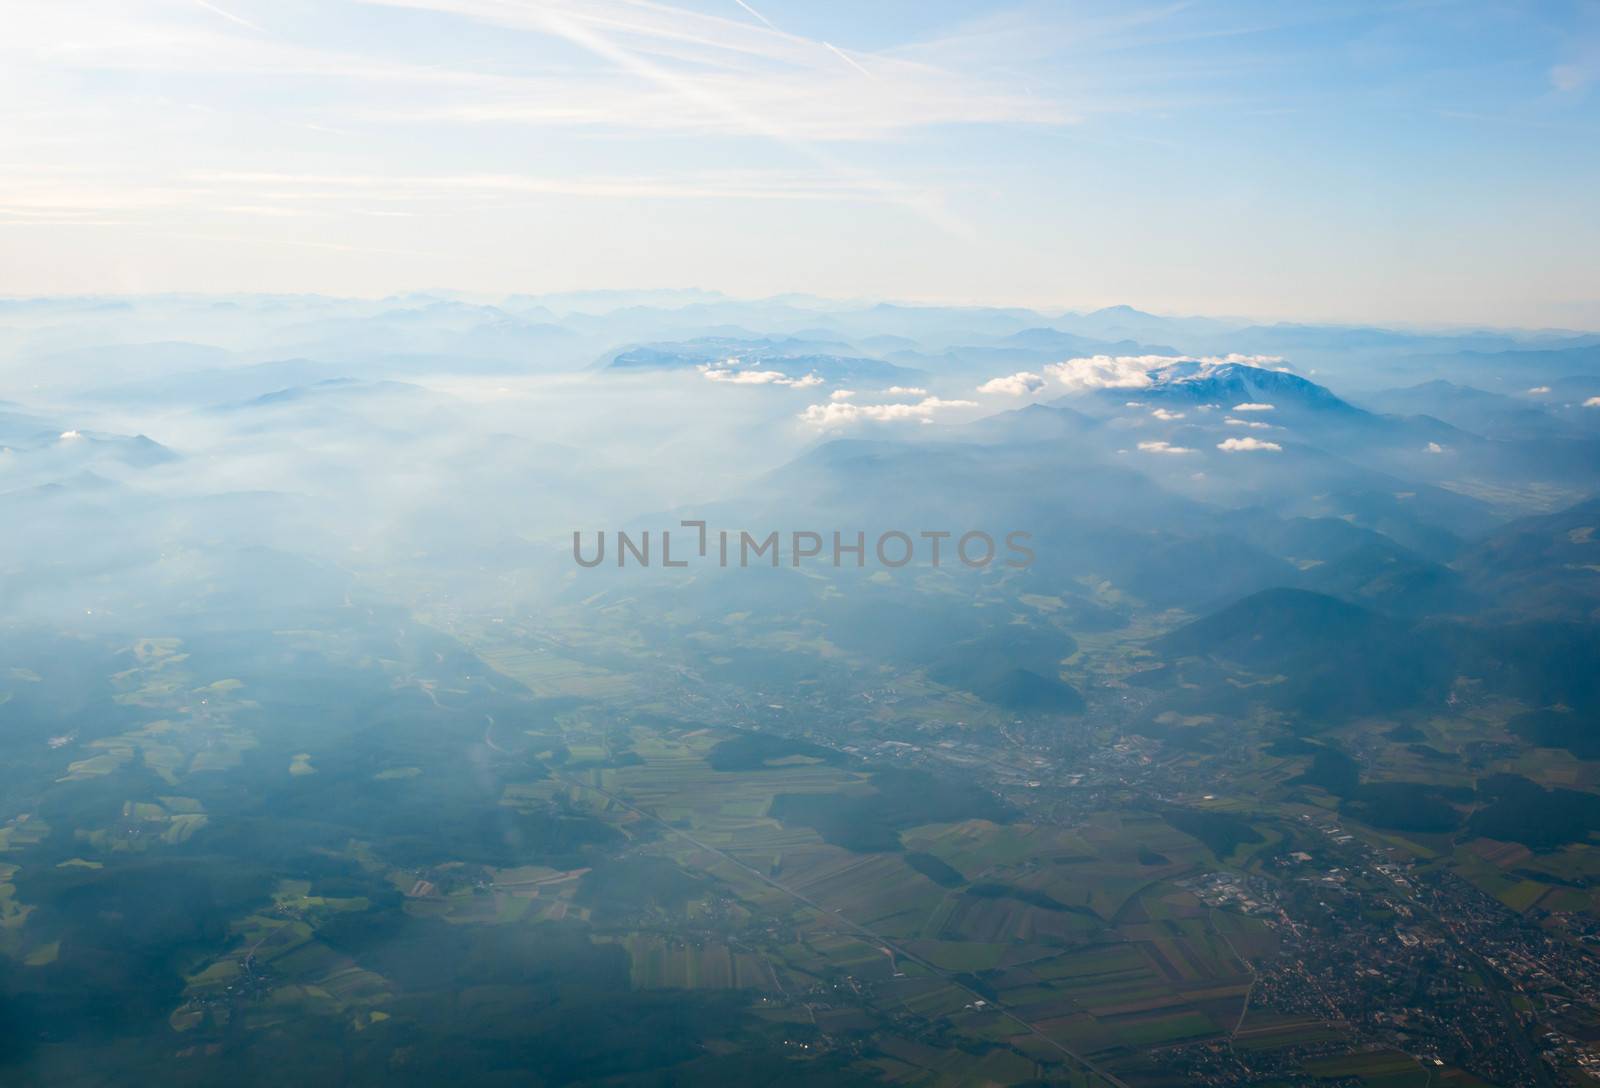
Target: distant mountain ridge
[(794, 358)]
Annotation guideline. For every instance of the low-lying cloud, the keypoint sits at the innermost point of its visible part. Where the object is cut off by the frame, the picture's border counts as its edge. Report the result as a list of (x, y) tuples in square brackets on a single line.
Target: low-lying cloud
[(1245, 445), (1092, 372), (842, 413), (1251, 406), (1024, 383), (1108, 371), (1163, 447), (758, 377)]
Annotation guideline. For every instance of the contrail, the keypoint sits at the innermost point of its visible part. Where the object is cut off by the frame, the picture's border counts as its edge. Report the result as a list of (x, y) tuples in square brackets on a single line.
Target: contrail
[(230, 16), (848, 59), (840, 53), (575, 31), (756, 13)]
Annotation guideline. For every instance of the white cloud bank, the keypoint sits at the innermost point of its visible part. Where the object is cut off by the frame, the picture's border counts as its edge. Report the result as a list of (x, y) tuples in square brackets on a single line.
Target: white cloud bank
[(1592, 402), (1237, 445), (1108, 371), (906, 391), (1166, 416), (1251, 423), (758, 377), (1023, 383), (1249, 406), (1127, 371), (843, 413), (1163, 447)]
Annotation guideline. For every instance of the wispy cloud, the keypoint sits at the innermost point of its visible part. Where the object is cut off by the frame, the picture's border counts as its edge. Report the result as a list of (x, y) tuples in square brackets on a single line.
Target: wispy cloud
[(756, 13), (729, 75), (923, 111), (230, 16), (720, 75), (42, 196), (848, 59), (1575, 76), (639, 40), (1163, 447), (715, 185)]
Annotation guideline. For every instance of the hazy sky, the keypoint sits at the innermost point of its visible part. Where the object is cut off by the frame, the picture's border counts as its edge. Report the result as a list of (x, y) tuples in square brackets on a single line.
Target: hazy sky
[(1421, 161)]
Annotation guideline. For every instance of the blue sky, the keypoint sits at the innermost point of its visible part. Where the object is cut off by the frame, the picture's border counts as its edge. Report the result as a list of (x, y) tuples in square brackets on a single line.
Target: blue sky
[(1427, 162)]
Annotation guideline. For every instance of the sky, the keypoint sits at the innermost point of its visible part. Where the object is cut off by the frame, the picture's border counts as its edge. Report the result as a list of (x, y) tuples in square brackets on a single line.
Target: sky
[(1423, 162)]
